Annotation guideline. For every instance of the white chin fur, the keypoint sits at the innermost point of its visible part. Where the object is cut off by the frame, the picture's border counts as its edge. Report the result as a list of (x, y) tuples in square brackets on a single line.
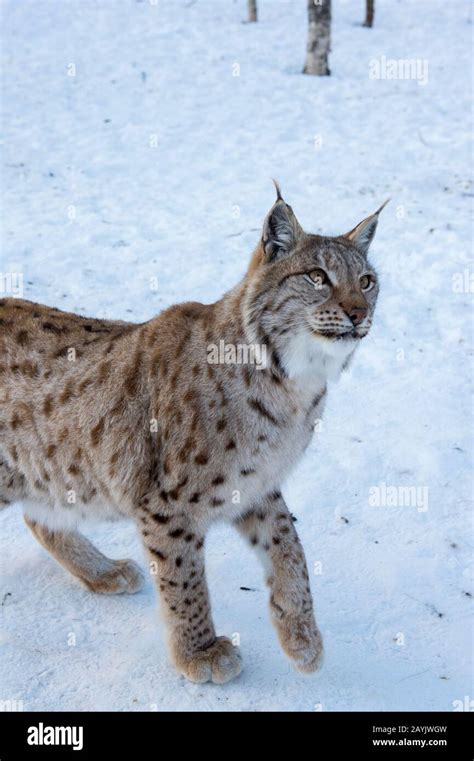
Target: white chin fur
[(336, 348), (308, 355)]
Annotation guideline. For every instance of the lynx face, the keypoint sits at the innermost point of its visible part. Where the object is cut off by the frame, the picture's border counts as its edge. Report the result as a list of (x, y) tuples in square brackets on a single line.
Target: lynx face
[(313, 286)]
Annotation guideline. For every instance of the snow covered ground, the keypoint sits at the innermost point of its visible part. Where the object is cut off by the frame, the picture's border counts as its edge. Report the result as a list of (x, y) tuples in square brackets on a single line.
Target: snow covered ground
[(139, 139)]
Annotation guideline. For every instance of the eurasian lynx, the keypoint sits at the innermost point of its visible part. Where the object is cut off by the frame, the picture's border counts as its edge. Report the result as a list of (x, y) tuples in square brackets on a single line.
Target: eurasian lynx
[(105, 419)]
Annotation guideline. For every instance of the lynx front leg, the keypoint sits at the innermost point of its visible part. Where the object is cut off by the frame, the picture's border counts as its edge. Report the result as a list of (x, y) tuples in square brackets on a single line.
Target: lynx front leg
[(270, 530), (177, 563)]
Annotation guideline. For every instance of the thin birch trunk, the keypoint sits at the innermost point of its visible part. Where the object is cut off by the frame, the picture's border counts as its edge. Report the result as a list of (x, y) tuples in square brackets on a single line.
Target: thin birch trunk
[(319, 37), (369, 13), (252, 10)]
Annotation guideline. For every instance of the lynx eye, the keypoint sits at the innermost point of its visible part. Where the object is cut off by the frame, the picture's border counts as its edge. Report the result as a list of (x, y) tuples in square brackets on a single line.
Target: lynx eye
[(318, 278), (366, 282)]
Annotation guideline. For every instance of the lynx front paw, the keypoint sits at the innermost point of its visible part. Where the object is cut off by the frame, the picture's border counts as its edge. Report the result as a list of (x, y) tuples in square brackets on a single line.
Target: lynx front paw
[(219, 663), (122, 577), (301, 641)]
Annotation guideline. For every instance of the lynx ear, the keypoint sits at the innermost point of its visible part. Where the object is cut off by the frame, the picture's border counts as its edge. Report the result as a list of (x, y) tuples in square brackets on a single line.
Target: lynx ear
[(281, 229), (362, 235)]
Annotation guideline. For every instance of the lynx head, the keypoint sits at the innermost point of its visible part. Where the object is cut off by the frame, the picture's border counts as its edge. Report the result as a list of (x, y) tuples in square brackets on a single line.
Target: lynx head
[(310, 293)]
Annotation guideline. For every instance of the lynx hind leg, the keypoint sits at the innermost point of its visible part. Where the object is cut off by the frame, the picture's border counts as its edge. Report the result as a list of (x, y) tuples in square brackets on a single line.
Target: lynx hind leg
[(97, 572), (12, 485)]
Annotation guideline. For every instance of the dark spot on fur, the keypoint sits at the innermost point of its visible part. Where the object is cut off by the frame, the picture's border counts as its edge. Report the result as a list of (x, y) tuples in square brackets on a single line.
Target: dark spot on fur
[(67, 393), (317, 399), (133, 376), (259, 407), (48, 405), (97, 432), (29, 369), (22, 337), (62, 352), (85, 383), (176, 533), (104, 369), (162, 519), (49, 326), (158, 554), (15, 422), (189, 445)]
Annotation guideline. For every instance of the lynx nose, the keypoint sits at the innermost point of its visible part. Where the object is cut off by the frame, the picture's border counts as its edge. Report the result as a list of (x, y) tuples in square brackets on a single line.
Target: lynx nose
[(357, 314)]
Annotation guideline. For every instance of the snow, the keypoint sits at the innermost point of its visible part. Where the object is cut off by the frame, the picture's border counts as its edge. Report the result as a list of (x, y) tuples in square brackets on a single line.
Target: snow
[(153, 161)]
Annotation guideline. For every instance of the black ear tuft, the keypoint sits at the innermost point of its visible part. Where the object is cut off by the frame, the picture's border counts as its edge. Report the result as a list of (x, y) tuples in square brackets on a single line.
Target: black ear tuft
[(278, 190)]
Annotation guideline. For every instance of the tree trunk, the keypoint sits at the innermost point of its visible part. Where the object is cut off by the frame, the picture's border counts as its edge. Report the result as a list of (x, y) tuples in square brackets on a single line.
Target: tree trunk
[(319, 38), (369, 13), (252, 9)]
